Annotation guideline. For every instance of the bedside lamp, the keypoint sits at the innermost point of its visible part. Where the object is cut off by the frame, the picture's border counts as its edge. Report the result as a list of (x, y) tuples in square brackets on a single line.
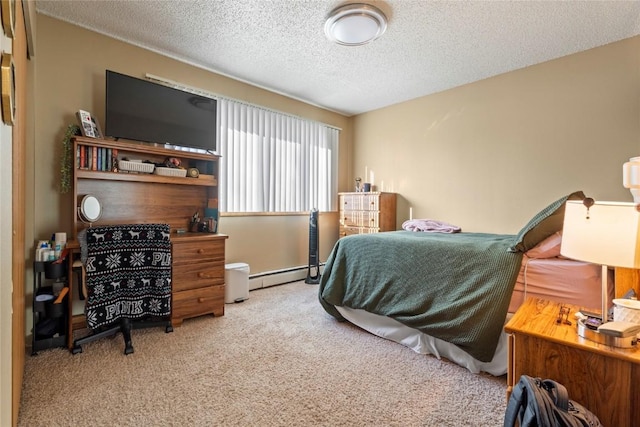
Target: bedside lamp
[(605, 233)]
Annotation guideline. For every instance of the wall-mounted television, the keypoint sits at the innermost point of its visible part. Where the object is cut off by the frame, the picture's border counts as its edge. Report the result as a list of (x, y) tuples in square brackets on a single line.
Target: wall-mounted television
[(141, 110)]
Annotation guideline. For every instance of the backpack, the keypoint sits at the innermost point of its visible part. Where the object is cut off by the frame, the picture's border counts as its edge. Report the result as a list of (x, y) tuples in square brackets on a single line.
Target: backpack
[(545, 403)]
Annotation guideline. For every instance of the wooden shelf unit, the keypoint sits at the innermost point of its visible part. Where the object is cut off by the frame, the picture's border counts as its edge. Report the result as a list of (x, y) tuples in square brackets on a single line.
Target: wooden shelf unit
[(142, 197), (198, 258)]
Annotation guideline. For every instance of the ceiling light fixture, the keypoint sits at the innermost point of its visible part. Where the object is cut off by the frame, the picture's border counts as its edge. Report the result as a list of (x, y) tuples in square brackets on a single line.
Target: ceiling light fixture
[(355, 24)]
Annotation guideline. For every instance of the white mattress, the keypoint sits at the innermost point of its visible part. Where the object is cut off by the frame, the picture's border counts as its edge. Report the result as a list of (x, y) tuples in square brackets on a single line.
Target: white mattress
[(555, 279)]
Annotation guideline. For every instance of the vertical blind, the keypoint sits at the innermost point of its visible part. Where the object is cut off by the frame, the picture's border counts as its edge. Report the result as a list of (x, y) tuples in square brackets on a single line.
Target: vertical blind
[(272, 162)]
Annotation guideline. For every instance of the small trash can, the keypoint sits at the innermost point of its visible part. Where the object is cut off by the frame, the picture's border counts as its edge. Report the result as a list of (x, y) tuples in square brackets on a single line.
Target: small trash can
[(236, 278)]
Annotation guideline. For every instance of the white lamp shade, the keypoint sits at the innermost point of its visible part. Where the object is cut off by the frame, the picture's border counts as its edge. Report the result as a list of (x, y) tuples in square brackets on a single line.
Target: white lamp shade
[(608, 233)]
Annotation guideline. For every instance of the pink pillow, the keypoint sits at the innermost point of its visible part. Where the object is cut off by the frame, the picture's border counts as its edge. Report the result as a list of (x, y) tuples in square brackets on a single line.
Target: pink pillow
[(548, 248)]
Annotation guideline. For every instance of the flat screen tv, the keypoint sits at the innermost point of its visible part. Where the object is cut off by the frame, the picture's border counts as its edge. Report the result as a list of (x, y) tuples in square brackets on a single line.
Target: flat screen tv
[(141, 110)]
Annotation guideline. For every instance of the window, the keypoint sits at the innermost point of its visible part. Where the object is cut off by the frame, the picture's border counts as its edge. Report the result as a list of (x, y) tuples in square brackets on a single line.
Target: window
[(273, 162)]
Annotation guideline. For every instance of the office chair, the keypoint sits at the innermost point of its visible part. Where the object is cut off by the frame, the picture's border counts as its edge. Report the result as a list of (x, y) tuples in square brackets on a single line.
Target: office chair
[(127, 277)]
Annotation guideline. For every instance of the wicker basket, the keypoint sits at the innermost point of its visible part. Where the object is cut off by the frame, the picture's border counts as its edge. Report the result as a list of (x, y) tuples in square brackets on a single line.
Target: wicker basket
[(626, 310), (171, 172), (128, 166)]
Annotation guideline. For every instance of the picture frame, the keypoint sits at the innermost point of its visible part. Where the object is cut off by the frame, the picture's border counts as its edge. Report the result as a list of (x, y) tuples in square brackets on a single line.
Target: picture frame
[(89, 126)]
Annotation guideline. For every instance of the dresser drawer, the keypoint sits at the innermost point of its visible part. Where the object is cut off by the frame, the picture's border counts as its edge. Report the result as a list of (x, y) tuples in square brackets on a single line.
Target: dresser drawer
[(348, 231), (197, 302), (359, 202), (359, 219), (197, 275), (196, 251)]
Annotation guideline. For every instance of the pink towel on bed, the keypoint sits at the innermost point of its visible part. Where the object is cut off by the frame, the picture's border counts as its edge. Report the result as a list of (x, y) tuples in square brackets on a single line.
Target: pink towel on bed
[(430, 225)]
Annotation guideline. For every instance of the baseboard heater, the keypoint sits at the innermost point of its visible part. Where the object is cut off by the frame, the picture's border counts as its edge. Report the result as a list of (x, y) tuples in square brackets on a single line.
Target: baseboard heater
[(278, 277)]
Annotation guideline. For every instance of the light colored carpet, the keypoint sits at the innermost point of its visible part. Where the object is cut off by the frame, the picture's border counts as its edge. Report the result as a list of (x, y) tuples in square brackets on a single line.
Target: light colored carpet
[(276, 359)]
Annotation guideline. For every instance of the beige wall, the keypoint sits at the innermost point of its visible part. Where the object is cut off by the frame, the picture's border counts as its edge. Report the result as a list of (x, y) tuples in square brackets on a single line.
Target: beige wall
[(70, 75), (487, 156)]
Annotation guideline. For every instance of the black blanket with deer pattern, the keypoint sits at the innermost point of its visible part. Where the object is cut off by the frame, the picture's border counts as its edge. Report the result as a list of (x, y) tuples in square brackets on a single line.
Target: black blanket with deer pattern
[(128, 272)]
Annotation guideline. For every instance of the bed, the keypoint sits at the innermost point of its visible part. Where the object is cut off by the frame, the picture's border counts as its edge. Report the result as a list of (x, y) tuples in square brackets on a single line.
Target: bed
[(449, 294)]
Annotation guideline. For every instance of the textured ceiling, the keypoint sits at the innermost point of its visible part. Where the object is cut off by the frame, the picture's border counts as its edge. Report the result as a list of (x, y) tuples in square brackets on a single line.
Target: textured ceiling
[(429, 46)]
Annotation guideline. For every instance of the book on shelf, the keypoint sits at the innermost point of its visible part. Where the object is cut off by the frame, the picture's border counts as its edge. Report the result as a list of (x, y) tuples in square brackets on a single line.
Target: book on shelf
[(94, 158), (100, 159), (108, 160), (87, 156), (82, 161)]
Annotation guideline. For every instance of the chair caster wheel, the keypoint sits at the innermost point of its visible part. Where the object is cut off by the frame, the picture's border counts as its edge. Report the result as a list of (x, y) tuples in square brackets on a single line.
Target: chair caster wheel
[(128, 349), (168, 329), (76, 349)]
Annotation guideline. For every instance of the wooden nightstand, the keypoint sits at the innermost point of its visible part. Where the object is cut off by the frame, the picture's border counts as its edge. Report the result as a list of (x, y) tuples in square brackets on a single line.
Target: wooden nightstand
[(606, 380)]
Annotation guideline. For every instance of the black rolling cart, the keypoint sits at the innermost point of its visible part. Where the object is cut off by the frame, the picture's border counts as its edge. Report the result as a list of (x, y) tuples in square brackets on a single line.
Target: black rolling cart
[(50, 299)]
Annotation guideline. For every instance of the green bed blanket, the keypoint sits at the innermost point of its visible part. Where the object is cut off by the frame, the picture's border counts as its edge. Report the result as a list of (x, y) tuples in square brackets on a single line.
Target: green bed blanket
[(455, 287)]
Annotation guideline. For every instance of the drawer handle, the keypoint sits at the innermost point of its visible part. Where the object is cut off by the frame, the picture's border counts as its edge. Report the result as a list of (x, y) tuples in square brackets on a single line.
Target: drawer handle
[(205, 299)]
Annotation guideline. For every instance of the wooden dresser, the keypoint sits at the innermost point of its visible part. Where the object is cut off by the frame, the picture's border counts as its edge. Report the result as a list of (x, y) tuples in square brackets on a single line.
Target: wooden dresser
[(367, 212), (198, 276), (198, 257)]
